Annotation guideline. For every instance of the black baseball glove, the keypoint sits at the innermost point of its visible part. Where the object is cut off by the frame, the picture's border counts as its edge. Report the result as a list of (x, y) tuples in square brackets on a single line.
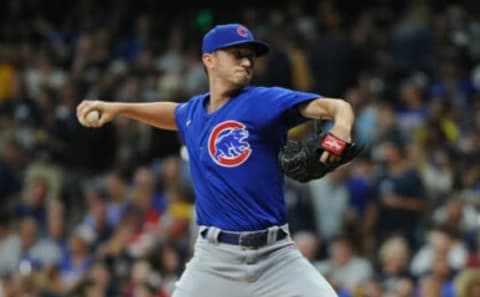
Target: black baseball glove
[(301, 161)]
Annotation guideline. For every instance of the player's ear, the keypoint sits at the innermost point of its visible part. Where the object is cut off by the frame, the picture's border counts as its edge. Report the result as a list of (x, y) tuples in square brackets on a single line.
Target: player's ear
[(207, 59)]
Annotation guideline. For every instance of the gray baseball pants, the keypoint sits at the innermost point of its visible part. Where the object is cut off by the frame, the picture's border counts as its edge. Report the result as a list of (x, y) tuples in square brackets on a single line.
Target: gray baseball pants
[(275, 270)]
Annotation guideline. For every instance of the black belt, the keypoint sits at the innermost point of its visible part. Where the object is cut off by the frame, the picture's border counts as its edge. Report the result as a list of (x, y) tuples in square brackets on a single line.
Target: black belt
[(246, 240)]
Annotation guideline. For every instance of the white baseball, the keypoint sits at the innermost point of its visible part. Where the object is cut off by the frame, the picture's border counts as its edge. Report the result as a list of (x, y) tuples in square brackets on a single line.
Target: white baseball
[(92, 116)]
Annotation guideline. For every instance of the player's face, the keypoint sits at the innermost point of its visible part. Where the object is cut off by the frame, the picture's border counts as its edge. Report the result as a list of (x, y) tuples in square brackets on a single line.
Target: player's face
[(235, 64)]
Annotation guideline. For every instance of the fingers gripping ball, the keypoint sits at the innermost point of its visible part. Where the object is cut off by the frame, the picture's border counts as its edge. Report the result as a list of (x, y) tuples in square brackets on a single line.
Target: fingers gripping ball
[(91, 118)]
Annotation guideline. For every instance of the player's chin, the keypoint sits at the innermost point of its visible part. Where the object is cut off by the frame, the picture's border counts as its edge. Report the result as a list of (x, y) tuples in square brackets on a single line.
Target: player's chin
[(244, 79)]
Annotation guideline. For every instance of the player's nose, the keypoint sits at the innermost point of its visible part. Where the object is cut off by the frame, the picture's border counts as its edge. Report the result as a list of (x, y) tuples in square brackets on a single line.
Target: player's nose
[(247, 62)]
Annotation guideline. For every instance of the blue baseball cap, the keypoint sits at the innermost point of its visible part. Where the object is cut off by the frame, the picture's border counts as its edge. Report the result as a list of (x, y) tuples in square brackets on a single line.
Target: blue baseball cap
[(223, 36)]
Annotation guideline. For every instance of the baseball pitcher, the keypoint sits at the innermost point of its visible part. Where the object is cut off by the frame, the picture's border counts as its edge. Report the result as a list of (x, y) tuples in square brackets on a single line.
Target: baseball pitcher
[(236, 136)]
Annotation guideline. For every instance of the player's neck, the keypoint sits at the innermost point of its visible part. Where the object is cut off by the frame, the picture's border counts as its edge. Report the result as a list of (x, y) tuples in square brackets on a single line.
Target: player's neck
[(215, 104), (219, 95)]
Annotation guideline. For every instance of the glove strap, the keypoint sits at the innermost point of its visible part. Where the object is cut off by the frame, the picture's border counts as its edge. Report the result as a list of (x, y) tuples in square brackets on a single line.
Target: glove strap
[(333, 144)]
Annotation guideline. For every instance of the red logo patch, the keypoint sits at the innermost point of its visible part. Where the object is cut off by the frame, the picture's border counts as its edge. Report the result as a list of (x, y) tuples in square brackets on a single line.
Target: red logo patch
[(227, 144), (333, 144), (242, 31)]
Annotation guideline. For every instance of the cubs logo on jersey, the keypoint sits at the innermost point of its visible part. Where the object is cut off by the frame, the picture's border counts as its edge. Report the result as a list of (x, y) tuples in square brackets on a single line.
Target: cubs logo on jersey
[(227, 144)]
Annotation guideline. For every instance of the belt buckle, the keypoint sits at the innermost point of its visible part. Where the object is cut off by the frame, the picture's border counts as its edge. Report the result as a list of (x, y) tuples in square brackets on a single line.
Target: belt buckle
[(245, 240)]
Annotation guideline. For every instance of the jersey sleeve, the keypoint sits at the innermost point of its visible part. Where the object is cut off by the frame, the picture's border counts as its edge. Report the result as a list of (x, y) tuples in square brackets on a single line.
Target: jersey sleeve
[(284, 102), (180, 116)]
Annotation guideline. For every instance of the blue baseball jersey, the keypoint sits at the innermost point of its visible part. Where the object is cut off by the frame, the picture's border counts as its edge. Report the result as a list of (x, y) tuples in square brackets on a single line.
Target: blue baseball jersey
[(233, 152)]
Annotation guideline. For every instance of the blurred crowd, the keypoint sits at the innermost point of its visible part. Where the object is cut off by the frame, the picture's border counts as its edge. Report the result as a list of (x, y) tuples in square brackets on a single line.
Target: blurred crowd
[(110, 211)]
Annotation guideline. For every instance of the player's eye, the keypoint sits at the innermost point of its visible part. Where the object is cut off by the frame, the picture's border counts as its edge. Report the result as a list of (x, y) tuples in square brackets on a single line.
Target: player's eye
[(240, 54)]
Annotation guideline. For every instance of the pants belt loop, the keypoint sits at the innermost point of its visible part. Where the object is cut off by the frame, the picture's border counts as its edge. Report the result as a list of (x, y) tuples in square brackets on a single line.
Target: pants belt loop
[(285, 228), (212, 235), (202, 228), (272, 234)]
